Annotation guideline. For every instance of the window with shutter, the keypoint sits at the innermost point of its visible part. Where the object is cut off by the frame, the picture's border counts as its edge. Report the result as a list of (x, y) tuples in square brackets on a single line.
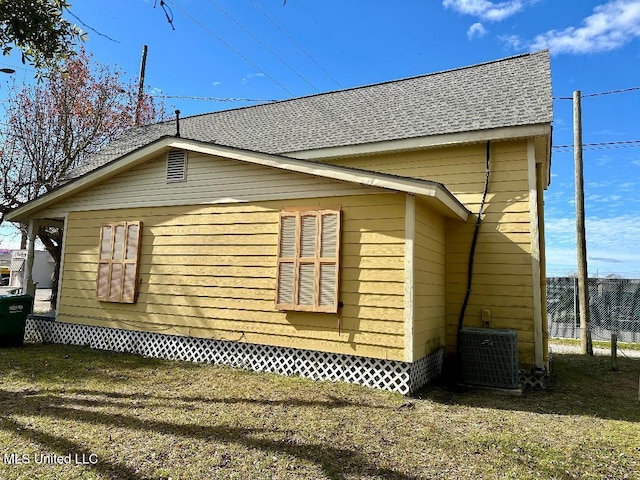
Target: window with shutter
[(118, 262), (308, 261)]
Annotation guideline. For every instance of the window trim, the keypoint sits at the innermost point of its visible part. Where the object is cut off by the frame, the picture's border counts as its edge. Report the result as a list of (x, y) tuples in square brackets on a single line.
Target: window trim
[(317, 260), (124, 296)]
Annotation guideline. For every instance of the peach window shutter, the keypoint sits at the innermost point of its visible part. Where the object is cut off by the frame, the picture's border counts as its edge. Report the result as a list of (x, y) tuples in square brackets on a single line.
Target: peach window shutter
[(104, 262), (118, 262), (306, 281), (329, 259), (308, 261), (286, 261), (131, 262)]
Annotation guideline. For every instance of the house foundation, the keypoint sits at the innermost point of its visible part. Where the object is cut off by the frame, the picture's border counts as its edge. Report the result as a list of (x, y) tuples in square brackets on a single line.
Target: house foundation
[(396, 376)]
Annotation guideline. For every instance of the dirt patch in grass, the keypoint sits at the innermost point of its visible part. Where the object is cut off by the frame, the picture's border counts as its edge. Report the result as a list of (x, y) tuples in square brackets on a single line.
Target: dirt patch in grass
[(71, 412)]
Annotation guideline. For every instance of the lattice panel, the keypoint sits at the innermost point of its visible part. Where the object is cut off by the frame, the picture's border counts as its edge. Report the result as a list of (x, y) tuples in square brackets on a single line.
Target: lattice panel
[(391, 375), (534, 379), (426, 369)]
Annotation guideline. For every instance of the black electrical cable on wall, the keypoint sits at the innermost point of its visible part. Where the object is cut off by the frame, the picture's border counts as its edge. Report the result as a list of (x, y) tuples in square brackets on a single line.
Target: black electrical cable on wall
[(474, 241)]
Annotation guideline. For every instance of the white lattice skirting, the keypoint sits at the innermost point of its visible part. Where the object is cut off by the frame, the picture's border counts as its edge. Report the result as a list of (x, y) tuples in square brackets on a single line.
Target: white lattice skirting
[(402, 377)]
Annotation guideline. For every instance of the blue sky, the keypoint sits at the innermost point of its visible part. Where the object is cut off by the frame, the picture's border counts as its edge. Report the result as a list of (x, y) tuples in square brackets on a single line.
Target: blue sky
[(272, 49)]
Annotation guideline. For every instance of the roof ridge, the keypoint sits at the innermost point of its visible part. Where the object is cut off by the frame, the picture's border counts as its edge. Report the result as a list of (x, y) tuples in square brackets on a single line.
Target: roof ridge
[(361, 87)]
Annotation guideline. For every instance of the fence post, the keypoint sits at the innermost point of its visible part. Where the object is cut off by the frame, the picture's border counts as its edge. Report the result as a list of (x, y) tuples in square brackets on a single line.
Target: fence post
[(614, 351), (576, 307)]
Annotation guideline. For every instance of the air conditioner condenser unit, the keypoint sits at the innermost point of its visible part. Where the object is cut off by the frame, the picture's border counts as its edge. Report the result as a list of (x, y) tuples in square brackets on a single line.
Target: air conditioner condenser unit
[(489, 357)]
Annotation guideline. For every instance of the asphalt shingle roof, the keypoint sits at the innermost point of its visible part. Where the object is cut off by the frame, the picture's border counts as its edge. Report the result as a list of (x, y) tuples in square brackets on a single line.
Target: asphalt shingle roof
[(512, 91)]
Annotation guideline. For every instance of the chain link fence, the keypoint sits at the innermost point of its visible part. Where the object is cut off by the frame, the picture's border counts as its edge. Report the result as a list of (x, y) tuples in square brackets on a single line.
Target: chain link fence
[(614, 305)]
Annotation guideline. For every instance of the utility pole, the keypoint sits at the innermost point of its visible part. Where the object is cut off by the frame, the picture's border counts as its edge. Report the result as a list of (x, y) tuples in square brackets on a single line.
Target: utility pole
[(143, 67), (586, 346)]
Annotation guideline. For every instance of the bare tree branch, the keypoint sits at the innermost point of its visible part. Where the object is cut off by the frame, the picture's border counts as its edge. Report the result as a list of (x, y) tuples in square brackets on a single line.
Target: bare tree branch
[(55, 125)]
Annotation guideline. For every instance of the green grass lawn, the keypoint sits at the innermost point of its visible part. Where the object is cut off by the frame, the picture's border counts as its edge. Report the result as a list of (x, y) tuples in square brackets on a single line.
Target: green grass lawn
[(125, 417)]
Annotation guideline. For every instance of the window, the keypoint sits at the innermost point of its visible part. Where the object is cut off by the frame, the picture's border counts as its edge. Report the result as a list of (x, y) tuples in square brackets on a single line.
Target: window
[(308, 261), (118, 263)]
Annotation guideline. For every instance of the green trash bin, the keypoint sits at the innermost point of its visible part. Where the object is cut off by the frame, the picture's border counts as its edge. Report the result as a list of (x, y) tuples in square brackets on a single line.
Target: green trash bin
[(13, 317)]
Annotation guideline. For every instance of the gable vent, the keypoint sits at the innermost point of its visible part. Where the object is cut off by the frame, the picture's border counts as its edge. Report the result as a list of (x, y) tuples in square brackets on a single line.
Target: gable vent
[(176, 166)]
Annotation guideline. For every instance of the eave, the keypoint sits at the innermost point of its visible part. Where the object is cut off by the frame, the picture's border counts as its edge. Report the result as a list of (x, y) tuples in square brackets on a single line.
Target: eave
[(431, 141), (435, 194)]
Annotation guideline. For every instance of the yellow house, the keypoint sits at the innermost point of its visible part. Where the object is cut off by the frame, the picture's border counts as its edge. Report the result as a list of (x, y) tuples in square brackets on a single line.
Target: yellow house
[(335, 236)]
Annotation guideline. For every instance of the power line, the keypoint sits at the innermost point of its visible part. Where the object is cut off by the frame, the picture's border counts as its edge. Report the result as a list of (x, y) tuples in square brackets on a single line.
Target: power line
[(230, 47), (266, 47), (346, 55), (90, 27), (294, 42), (216, 99), (611, 92), (602, 145), (599, 94)]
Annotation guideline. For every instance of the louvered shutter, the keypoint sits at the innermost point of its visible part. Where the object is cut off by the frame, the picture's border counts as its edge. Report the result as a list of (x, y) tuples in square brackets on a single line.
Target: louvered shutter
[(104, 263), (115, 286), (118, 262), (285, 285), (131, 262), (308, 261), (329, 255), (286, 261)]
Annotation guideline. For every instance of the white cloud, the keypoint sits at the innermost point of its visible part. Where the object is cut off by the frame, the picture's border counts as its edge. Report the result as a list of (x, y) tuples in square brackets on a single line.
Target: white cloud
[(513, 42), (608, 200), (476, 30), (484, 9), (250, 76), (610, 245), (603, 160), (607, 131), (628, 186), (600, 184), (215, 84), (611, 25)]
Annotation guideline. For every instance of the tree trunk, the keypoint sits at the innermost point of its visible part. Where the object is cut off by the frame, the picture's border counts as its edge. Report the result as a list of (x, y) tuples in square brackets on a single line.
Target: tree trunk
[(51, 238)]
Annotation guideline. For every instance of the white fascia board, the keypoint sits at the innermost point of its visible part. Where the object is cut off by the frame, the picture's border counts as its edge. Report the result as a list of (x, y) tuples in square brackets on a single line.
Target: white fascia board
[(446, 139), (126, 162), (362, 177)]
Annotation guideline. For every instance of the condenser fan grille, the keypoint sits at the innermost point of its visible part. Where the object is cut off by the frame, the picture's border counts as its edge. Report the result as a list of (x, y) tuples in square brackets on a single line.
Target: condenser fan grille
[(489, 357)]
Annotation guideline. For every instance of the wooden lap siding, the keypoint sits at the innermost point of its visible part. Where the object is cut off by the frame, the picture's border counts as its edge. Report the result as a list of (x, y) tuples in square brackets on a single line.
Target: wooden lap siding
[(209, 180), (502, 280), (429, 277), (210, 271)]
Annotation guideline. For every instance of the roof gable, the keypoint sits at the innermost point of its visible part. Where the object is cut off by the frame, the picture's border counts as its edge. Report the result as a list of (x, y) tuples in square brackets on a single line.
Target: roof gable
[(435, 194)]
